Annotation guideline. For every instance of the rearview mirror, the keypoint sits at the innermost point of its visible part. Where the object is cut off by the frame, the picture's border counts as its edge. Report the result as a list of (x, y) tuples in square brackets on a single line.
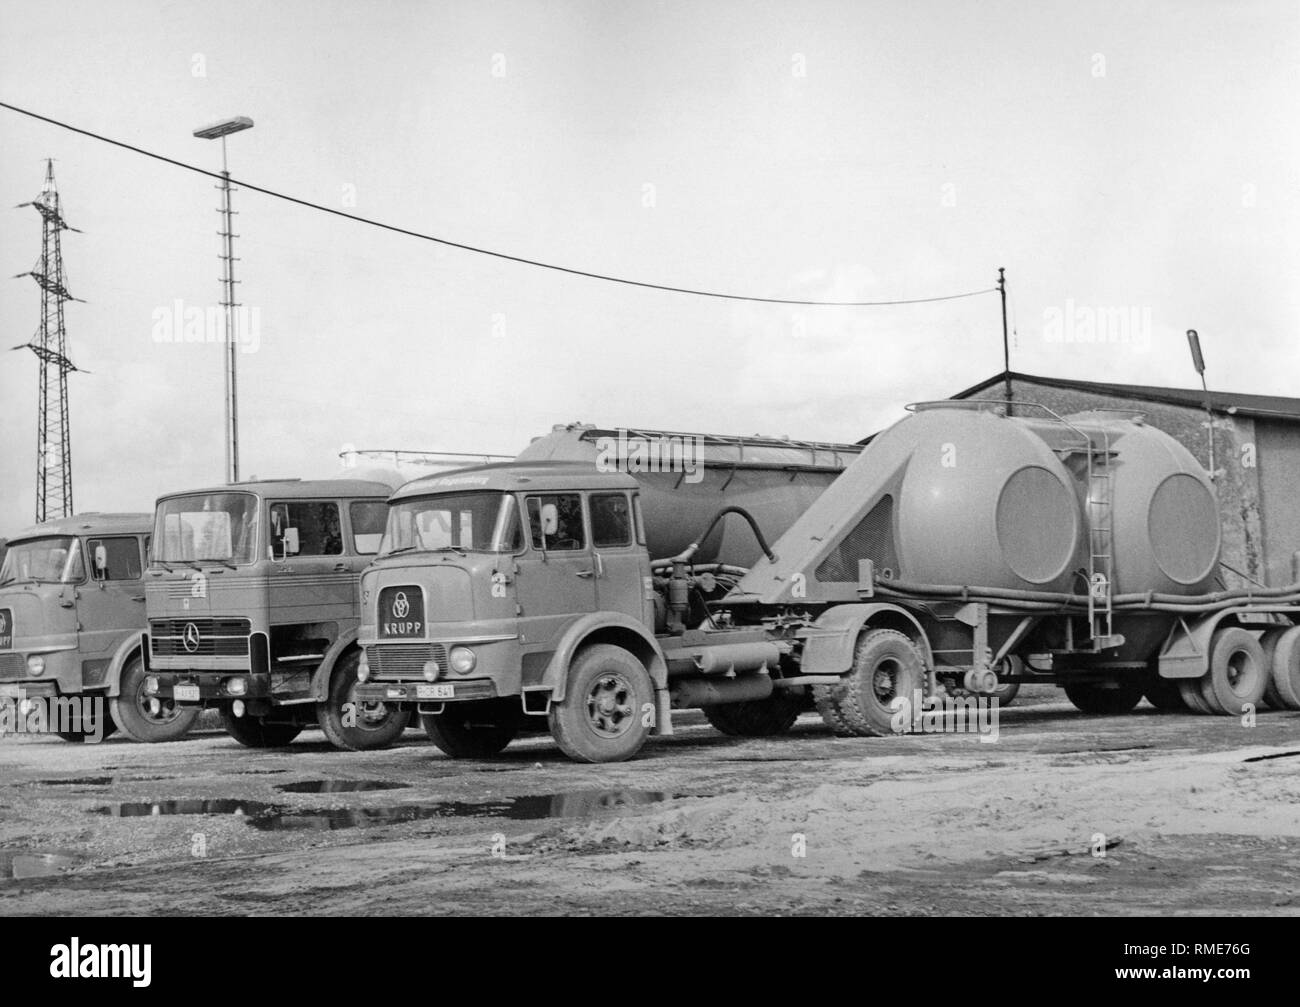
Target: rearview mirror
[(100, 562), (290, 540), (550, 519)]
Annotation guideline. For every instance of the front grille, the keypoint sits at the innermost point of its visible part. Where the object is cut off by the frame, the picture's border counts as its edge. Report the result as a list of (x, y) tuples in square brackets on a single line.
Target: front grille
[(216, 637), (12, 666), (404, 661)]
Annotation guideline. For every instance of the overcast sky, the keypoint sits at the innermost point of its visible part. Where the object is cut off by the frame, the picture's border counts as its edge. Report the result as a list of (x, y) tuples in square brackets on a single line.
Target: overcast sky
[(1114, 157)]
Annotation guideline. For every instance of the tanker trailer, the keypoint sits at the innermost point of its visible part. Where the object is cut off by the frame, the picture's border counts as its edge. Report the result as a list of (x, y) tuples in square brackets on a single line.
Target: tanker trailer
[(1081, 550), (492, 580)]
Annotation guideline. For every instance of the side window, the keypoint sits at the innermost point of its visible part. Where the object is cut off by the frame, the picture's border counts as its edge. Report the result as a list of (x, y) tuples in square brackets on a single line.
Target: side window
[(611, 522), (368, 519), (114, 558), (306, 528), (555, 522)]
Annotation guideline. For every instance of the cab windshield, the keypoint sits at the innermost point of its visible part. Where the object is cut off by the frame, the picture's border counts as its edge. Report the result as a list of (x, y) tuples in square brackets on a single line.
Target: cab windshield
[(54, 560), (456, 522), (220, 527)]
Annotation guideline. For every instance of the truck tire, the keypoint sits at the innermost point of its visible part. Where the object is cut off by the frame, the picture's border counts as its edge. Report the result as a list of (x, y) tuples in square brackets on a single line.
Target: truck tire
[(377, 725), (1104, 699), (887, 666), (756, 718), (88, 731), (602, 716), (1164, 694), (1190, 691), (1285, 671), (1238, 674), (255, 732), (477, 730), (131, 713)]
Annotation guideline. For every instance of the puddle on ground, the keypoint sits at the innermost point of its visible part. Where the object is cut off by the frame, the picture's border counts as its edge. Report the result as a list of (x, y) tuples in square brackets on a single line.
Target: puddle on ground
[(338, 786), (19, 864), (274, 818), (156, 809), (80, 781)]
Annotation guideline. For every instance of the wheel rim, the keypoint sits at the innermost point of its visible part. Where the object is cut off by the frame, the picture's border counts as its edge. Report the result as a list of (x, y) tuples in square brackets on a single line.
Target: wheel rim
[(1241, 673), (168, 711), (609, 705), (884, 680), (370, 716)]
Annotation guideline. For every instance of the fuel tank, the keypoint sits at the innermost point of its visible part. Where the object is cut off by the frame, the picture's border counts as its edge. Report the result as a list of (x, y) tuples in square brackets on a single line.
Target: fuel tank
[(960, 494), (686, 479)]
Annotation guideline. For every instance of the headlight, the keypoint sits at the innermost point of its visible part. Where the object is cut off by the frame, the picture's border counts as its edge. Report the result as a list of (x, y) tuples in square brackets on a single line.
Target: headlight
[(36, 664), (236, 686), (363, 668), (462, 660)]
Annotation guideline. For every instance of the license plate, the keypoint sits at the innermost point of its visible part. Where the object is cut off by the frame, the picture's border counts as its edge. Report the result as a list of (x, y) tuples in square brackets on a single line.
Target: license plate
[(186, 693), (435, 691), (11, 691)]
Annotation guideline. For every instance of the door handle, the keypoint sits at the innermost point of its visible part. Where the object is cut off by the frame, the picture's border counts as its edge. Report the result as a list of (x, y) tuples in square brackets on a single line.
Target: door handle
[(585, 574), (137, 597), (340, 567)]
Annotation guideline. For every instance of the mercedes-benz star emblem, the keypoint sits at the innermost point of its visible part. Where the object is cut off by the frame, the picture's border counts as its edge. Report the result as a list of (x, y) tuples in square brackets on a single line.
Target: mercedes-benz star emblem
[(191, 637), (400, 605)]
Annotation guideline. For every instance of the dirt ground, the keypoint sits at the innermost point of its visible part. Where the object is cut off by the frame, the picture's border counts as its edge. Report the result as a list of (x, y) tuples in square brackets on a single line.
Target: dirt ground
[(1064, 814)]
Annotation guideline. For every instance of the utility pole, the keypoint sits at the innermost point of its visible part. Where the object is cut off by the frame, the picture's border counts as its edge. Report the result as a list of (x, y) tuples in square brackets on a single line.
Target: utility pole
[(220, 130), (1006, 343), (50, 344)]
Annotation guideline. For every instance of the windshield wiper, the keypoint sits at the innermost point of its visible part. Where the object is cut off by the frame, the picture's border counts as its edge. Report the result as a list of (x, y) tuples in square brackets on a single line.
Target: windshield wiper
[(450, 548), (217, 559), (405, 548)]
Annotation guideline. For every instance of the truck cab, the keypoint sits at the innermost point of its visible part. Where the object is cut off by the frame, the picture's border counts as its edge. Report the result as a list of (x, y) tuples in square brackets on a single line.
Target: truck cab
[(72, 612), (253, 607)]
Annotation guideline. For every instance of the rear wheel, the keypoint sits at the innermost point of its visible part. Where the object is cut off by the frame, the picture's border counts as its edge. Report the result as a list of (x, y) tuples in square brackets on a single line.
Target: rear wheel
[(1285, 670), (1238, 674), (1164, 694), (96, 719), (887, 668), (474, 730), (255, 732), (1104, 698), (133, 709), (756, 718), (350, 724), (603, 717)]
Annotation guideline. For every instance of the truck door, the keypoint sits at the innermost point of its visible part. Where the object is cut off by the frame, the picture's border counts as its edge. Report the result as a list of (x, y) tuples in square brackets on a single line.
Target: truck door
[(111, 601), (620, 565), (312, 580), (557, 576)]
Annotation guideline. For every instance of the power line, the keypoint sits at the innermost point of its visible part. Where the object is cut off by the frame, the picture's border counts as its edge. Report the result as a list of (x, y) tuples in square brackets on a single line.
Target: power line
[(487, 251)]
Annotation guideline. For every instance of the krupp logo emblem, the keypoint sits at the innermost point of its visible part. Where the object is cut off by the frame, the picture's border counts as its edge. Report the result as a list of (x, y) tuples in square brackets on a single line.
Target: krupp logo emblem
[(191, 637), (3, 627), (401, 607)]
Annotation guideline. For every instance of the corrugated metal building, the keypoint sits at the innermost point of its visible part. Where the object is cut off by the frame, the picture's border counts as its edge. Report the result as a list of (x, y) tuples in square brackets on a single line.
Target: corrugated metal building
[(1256, 457)]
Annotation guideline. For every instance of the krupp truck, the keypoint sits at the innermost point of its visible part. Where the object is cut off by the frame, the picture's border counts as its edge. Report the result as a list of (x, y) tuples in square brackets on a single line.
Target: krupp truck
[(491, 578), (72, 610), (963, 548), (252, 606)]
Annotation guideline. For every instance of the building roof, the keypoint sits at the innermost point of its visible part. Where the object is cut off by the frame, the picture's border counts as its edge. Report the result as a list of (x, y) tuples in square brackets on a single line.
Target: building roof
[(89, 523), (1268, 406)]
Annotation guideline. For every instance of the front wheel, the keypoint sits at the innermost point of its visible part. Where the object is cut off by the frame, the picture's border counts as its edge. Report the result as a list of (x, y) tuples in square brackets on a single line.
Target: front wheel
[(133, 709), (608, 707), (476, 730), (255, 732), (1104, 698), (350, 724)]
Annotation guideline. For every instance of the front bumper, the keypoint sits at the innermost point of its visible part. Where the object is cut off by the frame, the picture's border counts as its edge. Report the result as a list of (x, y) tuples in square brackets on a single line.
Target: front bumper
[(413, 693), (208, 688)]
